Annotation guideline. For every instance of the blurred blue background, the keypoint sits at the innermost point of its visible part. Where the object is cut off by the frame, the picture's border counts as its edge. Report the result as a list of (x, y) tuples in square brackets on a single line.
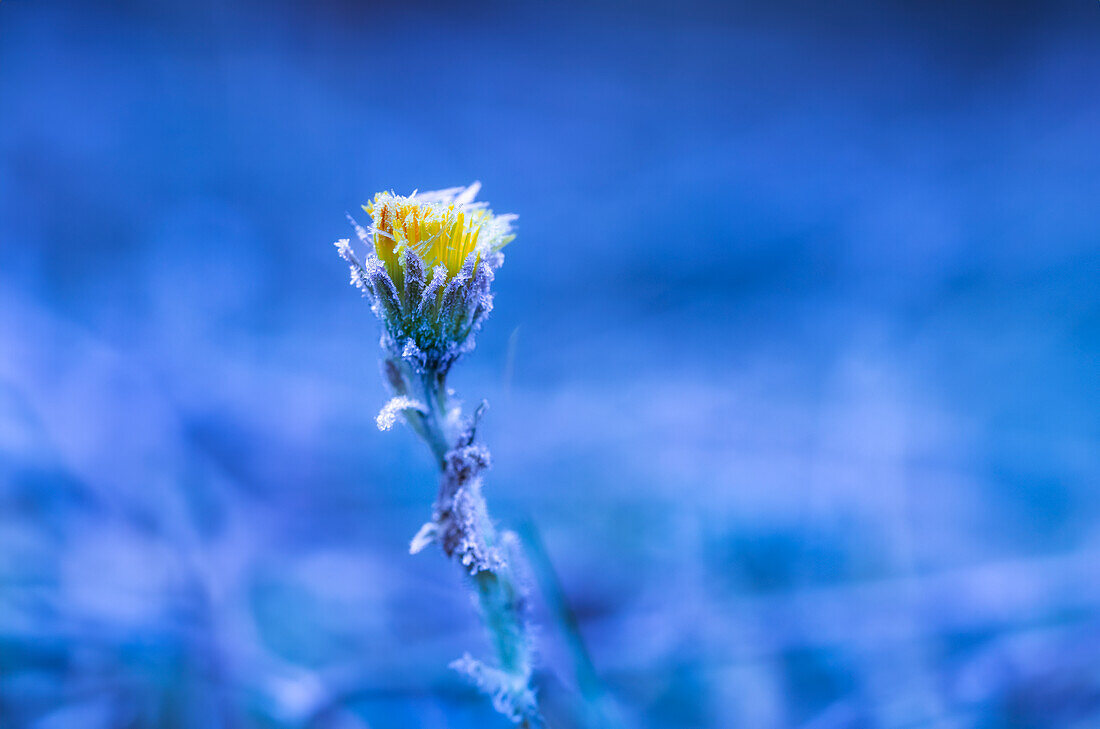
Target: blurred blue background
[(794, 365)]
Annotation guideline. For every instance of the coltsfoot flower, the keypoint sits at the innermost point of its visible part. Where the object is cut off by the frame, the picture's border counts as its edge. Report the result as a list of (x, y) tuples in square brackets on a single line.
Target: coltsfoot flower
[(428, 275)]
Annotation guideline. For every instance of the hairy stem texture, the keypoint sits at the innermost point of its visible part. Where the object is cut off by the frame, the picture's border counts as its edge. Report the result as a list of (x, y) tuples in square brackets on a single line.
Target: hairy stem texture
[(463, 528)]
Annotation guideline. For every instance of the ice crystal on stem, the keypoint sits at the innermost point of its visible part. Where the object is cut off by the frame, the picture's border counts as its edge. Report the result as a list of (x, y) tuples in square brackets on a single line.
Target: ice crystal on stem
[(428, 273)]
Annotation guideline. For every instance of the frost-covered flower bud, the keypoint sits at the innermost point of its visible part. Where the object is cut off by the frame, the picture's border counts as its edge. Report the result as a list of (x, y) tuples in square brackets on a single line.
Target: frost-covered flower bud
[(429, 271)]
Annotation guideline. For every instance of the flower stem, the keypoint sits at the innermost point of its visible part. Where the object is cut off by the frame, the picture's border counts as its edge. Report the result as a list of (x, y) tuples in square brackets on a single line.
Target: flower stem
[(435, 400), (468, 536)]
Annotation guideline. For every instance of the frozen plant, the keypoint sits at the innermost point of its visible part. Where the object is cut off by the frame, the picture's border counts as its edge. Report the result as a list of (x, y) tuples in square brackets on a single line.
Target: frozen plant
[(428, 275)]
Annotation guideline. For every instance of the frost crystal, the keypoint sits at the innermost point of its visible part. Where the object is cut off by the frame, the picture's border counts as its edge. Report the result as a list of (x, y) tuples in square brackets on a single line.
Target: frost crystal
[(423, 538), (510, 694), (387, 416)]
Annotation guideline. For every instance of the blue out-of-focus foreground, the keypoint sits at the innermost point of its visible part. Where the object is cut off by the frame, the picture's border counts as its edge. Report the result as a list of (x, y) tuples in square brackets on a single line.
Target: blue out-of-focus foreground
[(793, 371)]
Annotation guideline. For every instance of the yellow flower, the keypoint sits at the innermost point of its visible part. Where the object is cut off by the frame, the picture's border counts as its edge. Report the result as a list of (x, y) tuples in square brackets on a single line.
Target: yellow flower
[(443, 228)]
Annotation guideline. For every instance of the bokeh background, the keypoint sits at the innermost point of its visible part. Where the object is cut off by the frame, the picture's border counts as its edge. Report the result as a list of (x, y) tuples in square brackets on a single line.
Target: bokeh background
[(793, 371)]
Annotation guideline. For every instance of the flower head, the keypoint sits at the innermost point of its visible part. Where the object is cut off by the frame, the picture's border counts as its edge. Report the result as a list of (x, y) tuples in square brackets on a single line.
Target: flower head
[(445, 228), (433, 258)]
